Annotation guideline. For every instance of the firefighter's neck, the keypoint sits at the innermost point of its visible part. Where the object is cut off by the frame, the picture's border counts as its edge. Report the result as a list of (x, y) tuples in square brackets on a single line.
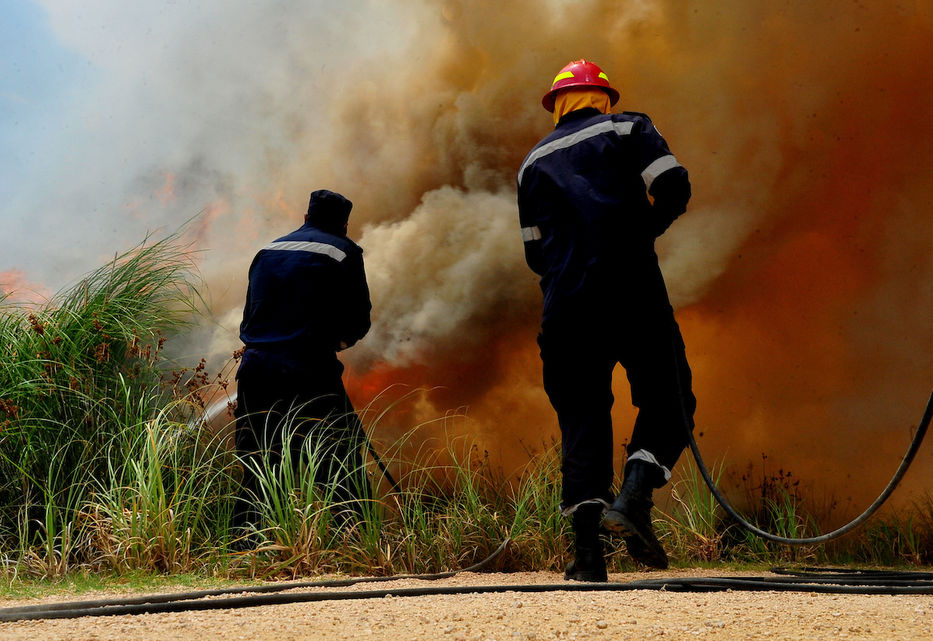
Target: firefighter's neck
[(577, 114)]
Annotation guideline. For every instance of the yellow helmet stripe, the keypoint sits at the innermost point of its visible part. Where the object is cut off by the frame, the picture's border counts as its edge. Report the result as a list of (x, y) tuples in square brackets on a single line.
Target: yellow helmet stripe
[(604, 76), (562, 76)]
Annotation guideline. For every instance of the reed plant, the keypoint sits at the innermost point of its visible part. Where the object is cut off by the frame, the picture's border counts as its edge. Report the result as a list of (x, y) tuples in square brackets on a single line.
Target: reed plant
[(443, 513), (923, 507), (77, 372), (449, 508), (694, 525), (165, 503), (540, 533), (106, 466), (899, 536), (774, 502), (296, 522)]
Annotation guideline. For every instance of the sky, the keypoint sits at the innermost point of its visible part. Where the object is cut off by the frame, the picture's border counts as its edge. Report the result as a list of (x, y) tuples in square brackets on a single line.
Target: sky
[(39, 79), (107, 104), (801, 273)]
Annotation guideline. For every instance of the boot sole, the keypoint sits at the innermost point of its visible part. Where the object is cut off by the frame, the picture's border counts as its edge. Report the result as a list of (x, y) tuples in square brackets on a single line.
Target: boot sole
[(619, 524), (643, 547), (586, 576)]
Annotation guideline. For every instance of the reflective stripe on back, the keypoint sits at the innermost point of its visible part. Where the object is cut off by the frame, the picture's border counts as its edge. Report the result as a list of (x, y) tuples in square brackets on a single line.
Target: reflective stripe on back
[(621, 128), (307, 246)]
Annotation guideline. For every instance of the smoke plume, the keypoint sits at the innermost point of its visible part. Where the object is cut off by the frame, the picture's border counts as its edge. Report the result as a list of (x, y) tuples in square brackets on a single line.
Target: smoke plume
[(801, 272)]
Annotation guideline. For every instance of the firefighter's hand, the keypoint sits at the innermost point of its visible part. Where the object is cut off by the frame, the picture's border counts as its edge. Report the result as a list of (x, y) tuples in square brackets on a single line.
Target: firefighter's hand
[(659, 221)]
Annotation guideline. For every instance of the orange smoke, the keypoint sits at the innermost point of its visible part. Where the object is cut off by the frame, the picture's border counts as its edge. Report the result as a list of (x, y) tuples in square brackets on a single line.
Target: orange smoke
[(801, 271)]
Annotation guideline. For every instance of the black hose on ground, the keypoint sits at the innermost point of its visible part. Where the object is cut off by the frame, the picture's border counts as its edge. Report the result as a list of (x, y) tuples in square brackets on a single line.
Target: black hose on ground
[(826, 583), (256, 589), (853, 573)]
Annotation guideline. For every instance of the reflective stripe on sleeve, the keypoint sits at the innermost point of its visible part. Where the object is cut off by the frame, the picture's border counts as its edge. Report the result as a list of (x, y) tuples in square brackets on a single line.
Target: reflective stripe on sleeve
[(531, 233), (621, 128), (306, 246), (657, 168)]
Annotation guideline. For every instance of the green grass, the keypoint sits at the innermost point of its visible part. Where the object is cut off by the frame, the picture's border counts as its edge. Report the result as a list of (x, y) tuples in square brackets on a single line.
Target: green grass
[(694, 523), (83, 581), (104, 471), (78, 372), (165, 502)]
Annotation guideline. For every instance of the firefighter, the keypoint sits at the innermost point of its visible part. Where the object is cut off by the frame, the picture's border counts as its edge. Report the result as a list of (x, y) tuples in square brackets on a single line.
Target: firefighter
[(306, 300), (593, 196)]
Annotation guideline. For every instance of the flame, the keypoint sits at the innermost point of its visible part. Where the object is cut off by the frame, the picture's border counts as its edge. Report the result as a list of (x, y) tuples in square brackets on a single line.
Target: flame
[(166, 193), (14, 287), (199, 231)]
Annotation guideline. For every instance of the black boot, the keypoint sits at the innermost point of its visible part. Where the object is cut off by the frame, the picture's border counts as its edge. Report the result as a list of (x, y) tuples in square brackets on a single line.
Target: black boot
[(630, 515), (588, 563)]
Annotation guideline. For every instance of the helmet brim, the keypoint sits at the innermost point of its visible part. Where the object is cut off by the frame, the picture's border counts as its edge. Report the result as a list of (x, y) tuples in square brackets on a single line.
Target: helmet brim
[(550, 97)]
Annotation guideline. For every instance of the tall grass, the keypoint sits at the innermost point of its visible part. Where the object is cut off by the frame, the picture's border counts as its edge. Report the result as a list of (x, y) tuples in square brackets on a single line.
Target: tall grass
[(164, 504), (79, 374), (296, 515), (694, 523), (104, 467), (778, 506), (538, 529), (447, 512)]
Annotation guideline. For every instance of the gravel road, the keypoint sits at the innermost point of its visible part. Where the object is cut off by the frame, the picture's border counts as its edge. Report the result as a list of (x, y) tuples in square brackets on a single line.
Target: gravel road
[(635, 615)]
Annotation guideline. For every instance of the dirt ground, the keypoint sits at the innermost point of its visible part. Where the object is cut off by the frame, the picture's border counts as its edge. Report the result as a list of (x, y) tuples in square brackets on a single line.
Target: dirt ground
[(635, 615)]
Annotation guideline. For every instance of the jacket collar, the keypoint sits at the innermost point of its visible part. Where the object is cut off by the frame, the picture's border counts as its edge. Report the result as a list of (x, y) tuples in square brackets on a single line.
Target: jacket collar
[(578, 114)]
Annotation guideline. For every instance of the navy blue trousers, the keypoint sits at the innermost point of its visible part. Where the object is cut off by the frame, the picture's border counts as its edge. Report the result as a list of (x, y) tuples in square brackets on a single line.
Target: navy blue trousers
[(579, 357), (313, 405)]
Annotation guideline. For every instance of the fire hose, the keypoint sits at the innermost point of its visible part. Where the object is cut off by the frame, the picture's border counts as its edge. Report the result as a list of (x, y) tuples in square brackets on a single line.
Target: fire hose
[(814, 580), (822, 538), (829, 581)]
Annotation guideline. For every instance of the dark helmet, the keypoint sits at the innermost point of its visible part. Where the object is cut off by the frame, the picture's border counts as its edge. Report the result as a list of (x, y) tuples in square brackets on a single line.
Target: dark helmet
[(328, 211)]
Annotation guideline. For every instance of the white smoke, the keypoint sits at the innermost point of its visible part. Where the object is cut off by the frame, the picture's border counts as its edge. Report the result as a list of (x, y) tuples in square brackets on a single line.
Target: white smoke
[(697, 249), (204, 97), (243, 110), (443, 273)]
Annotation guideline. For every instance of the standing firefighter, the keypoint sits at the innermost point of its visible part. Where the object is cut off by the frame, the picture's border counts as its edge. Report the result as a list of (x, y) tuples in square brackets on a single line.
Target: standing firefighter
[(307, 299), (589, 228)]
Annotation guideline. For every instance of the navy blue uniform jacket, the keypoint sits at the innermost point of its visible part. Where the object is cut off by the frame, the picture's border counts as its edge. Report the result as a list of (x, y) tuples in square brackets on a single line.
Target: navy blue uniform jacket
[(307, 299), (587, 221)]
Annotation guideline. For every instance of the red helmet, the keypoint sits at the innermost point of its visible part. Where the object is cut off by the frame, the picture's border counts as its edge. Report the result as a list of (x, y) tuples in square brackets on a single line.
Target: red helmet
[(579, 73)]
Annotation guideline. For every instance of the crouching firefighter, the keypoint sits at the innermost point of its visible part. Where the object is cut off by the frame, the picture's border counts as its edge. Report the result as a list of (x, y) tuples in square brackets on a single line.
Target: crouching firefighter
[(307, 299), (589, 228)]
